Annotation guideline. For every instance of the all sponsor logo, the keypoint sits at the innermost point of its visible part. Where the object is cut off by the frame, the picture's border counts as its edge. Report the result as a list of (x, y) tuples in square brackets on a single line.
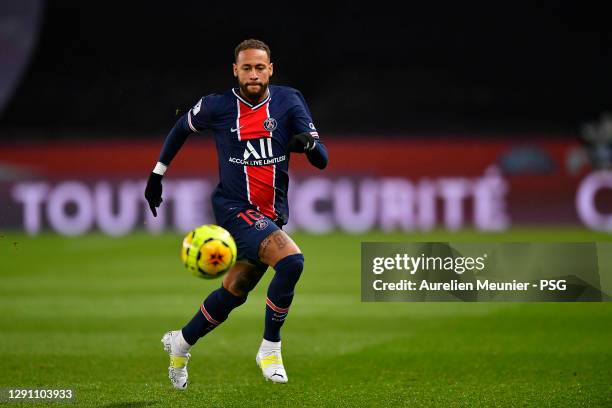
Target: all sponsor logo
[(265, 149)]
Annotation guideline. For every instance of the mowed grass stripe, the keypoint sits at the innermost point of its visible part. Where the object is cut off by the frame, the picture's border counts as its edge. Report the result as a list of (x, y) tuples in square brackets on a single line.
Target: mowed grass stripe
[(88, 313)]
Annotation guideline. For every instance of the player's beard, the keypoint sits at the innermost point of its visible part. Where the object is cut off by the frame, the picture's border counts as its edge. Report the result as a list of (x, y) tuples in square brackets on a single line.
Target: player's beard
[(254, 96)]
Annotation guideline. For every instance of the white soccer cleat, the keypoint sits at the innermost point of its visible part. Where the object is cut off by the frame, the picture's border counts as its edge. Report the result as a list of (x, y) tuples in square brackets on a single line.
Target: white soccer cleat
[(177, 371), (271, 364)]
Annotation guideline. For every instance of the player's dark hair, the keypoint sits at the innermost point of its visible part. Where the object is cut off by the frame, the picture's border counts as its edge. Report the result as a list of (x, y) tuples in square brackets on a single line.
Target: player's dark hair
[(251, 44)]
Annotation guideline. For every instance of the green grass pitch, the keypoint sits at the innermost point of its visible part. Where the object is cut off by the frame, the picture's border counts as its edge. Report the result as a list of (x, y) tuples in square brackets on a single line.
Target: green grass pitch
[(88, 313)]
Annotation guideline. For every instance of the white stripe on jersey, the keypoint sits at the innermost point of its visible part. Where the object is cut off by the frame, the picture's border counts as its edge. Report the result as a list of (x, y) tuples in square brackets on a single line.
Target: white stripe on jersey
[(189, 121), (274, 191), (238, 120), (246, 176)]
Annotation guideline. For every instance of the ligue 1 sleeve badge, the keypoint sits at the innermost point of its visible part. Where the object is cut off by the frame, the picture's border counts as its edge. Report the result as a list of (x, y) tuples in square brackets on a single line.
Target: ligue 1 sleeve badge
[(270, 124)]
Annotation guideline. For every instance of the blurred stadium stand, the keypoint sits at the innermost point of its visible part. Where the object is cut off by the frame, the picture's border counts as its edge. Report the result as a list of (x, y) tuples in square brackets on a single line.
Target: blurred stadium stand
[(435, 116), (106, 67)]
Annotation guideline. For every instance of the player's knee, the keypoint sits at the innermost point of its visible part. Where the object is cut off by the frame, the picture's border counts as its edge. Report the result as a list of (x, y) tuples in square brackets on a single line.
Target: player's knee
[(241, 286), (242, 280)]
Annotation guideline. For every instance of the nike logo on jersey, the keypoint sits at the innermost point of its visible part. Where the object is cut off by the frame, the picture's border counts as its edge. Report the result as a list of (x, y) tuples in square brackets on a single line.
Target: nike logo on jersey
[(234, 130)]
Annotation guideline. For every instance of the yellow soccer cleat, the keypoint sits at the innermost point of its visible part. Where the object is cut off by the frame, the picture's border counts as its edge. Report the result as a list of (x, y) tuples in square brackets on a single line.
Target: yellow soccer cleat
[(177, 371), (271, 364)]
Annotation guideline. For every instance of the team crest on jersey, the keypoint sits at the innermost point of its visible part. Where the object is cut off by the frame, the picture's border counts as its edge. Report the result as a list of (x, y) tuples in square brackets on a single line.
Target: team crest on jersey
[(261, 224), (270, 124)]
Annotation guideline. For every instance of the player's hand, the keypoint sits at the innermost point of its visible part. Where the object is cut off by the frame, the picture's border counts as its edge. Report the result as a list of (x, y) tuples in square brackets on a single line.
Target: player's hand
[(153, 192), (302, 142)]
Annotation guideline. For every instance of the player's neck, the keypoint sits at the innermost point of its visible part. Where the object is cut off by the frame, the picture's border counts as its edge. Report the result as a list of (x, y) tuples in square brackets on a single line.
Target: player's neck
[(255, 102)]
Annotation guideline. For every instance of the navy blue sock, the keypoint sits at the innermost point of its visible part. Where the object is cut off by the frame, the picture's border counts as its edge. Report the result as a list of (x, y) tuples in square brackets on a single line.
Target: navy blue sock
[(280, 294), (213, 311)]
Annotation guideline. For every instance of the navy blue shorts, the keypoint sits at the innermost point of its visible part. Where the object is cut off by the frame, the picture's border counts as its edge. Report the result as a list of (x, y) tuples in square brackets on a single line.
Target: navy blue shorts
[(248, 226)]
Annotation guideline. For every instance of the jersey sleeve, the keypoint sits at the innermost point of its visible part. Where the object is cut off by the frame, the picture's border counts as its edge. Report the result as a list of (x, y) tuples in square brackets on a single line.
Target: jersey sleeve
[(301, 117), (174, 141), (302, 122), (201, 115)]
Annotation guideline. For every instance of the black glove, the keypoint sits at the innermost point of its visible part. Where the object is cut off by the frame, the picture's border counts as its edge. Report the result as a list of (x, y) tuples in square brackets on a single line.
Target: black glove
[(153, 192), (302, 142)]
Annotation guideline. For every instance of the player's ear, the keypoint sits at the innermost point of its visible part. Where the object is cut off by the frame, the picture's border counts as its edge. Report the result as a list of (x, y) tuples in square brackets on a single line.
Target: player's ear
[(271, 69), (235, 68)]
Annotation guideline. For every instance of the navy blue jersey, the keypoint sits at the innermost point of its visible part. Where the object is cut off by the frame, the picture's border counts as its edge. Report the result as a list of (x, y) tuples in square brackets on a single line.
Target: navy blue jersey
[(252, 145)]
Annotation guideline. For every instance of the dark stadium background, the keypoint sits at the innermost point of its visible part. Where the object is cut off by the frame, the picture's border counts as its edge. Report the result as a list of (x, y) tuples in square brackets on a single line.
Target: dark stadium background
[(106, 67)]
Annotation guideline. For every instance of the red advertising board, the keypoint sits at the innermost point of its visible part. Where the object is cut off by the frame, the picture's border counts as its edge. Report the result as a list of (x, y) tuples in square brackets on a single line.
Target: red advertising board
[(370, 183)]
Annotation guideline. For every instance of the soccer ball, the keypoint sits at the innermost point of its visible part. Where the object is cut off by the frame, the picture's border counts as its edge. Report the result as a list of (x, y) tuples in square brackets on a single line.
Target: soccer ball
[(208, 251)]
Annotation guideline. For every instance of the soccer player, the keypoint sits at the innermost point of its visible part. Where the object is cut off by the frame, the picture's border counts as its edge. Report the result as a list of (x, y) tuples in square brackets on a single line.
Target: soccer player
[(256, 128)]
